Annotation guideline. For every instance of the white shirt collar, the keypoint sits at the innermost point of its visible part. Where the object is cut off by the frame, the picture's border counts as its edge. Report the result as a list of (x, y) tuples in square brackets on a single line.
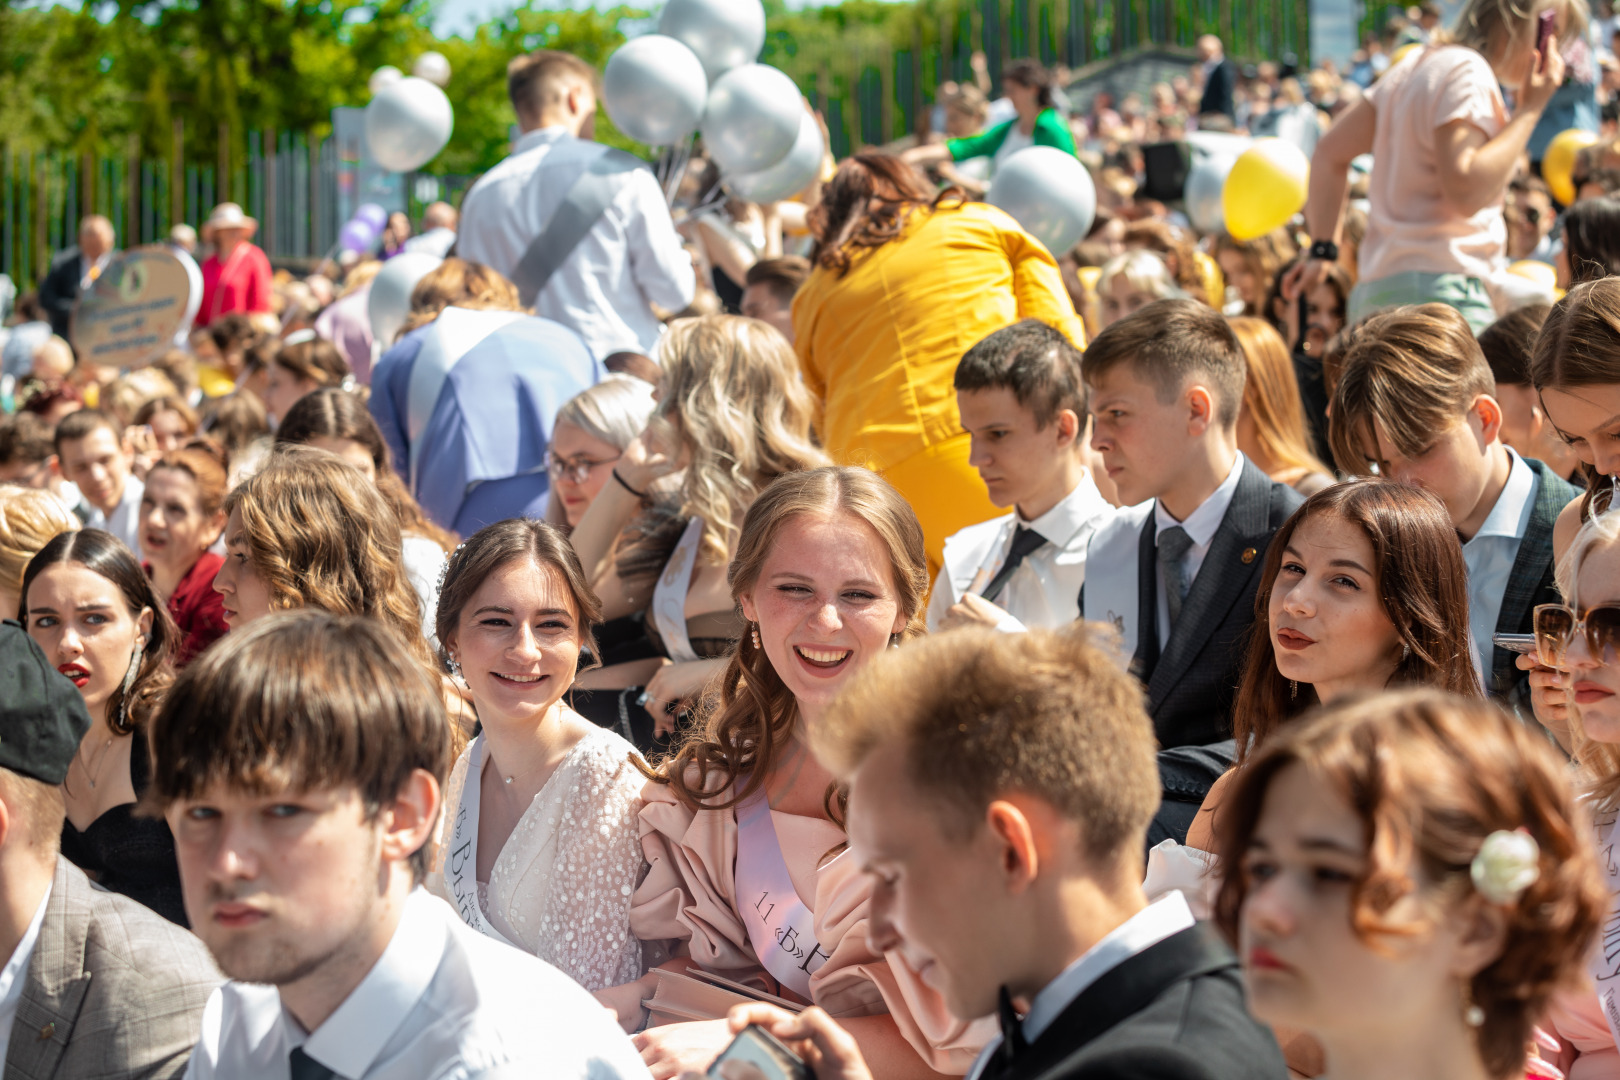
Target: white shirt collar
[(1165, 917), (1511, 514), (352, 1037), (1202, 523), (540, 137), (11, 976), (1059, 524)]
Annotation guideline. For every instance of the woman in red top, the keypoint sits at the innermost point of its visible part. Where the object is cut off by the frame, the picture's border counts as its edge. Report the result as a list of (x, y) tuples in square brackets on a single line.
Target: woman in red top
[(181, 517), (236, 277)]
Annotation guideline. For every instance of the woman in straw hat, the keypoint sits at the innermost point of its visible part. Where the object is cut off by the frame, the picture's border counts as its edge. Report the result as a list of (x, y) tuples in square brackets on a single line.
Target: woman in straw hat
[(236, 277)]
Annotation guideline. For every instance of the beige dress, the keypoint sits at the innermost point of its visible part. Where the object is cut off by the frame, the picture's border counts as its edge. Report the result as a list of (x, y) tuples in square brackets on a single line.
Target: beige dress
[(562, 884), (688, 897)]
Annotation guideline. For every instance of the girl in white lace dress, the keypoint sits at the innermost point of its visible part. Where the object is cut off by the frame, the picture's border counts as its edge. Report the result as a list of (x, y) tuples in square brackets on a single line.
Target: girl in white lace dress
[(539, 845)]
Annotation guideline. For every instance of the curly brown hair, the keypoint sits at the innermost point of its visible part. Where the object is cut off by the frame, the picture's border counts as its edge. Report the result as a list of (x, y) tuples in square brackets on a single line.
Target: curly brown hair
[(866, 204), (748, 721), (1430, 776)]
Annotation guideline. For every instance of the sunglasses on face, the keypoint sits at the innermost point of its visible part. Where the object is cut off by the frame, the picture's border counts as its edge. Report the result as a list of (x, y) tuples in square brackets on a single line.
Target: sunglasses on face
[(1556, 626)]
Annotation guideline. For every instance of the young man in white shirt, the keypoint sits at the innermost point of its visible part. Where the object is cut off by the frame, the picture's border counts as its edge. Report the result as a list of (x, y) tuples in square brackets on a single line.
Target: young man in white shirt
[(1024, 405), (629, 260), (1000, 788), (1415, 399), (299, 766), (94, 455)]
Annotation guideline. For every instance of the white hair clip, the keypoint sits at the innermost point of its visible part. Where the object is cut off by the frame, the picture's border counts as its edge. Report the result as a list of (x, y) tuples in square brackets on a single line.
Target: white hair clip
[(1507, 864), (298, 337)]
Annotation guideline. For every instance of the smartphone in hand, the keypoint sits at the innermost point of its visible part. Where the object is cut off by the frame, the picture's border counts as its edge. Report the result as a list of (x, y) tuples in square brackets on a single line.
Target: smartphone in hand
[(766, 1053), (1544, 30), (1524, 644)]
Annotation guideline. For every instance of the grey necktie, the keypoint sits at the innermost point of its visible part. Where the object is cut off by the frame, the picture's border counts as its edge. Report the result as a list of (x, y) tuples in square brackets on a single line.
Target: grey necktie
[(304, 1067), (1174, 543)]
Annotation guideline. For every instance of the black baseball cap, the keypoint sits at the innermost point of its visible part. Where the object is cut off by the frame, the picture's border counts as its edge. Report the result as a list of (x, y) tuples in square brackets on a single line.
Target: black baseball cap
[(42, 714)]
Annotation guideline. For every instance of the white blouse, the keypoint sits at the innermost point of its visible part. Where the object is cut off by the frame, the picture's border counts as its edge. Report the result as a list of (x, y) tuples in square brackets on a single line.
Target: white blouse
[(562, 884)]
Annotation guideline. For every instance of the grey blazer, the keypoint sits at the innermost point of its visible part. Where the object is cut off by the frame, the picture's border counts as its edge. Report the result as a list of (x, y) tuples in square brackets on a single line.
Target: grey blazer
[(114, 990)]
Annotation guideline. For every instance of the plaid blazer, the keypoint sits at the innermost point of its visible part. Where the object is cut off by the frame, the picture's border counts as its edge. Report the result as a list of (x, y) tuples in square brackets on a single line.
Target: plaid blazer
[(114, 990), (1530, 584)]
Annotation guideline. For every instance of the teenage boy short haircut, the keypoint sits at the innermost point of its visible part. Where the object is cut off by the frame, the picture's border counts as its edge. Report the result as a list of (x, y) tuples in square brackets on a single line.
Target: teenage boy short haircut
[(1416, 370), (81, 425), (1508, 342), (981, 714), (1168, 343), (783, 276), (541, 78), (301, 701), (1033, 360)]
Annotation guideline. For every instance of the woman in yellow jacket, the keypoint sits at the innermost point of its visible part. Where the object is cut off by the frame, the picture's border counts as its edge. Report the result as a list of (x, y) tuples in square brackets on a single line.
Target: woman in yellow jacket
[(904, 283)]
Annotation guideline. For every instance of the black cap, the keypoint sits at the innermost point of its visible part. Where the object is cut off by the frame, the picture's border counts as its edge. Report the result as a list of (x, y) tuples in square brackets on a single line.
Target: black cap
[(42, 714)]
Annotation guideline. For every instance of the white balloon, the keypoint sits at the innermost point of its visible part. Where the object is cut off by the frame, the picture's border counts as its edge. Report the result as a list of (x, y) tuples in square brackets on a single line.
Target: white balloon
[(384, 77), (1202, 195), (654, 89), (1049, 193), (408, 124), (390, 302), (752, 118), (789, 176), (433, 67), (724, 33)]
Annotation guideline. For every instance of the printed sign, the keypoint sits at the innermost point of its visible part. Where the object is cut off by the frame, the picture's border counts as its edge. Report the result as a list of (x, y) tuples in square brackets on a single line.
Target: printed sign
[(129, 315)]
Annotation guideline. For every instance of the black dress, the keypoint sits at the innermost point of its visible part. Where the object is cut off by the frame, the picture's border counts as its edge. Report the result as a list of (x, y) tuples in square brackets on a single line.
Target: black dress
[(131, 855)]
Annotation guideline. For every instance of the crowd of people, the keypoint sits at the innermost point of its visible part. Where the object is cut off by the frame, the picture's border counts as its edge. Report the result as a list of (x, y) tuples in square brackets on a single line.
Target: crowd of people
[(844, 620)]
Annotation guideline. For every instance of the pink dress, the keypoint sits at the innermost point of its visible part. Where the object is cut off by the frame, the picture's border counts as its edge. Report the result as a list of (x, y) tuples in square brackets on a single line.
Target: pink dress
[(1577, 1019), (688, 897)]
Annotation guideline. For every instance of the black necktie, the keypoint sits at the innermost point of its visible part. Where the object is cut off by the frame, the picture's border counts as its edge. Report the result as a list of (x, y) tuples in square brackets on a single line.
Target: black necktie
[(1012, 1039), (1025, 542), (304, 1067)]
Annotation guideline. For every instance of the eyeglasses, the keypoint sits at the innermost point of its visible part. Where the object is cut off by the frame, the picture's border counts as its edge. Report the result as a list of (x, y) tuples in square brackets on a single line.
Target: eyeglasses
[(577, 469), (1556, 626)]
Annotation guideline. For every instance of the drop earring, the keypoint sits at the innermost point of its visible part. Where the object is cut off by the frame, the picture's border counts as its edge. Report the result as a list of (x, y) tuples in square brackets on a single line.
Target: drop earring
[(754, 630), (1473, 1015), (129, 681), (1293, 690)]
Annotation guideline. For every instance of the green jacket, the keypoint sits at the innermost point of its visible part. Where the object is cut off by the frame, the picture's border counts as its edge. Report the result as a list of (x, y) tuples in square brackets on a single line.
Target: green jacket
[(1050, 130)]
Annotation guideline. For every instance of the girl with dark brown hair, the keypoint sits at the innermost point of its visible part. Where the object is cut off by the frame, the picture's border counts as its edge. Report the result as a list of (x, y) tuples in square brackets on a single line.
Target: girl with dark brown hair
[(905, 282), (829, 572)]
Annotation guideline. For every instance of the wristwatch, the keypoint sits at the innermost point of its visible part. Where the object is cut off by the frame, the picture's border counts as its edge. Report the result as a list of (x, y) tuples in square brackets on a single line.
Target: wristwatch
[(1324, 249)]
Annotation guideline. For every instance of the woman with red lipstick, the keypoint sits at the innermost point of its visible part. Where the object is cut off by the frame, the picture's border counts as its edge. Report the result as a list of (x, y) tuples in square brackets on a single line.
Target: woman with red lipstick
[(91, 609), (1412, 883), (542, 804), (830, 571), (182, 516)]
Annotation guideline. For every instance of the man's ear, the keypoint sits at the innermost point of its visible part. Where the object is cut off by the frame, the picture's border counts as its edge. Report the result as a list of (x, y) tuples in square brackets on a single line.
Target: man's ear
[(409, 820), (1489, 411), (1014, 836), (1069, 428), (1200, 408)]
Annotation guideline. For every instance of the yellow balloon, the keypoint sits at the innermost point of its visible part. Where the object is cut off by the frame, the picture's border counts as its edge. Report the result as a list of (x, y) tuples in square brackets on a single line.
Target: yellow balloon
[(1400, 54), (1265, 188), (1558, 163), (1089, 276), (1209, 271), (1539, 272)]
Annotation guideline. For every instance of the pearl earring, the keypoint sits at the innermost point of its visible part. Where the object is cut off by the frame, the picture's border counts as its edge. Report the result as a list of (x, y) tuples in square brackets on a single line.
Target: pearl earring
[(755, 632)]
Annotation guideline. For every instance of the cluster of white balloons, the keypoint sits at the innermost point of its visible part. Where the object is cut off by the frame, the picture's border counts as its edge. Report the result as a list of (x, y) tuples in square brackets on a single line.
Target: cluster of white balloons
[(698, 73), (409, 119)]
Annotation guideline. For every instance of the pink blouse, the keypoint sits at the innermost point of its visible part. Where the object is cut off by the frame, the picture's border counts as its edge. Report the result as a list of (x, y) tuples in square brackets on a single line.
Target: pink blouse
[(688, 897)]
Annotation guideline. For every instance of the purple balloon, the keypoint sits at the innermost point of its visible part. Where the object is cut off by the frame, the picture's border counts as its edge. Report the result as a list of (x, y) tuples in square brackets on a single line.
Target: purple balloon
[(357, 236), (372, 215)]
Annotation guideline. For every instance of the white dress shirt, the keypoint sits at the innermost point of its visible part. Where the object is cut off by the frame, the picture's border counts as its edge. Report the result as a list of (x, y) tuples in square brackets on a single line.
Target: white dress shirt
[(443, 1002), (1490, 555), (1201, 526), (1044, 590), (13, 977), (1161, 919), (125, 522), (631, 258)]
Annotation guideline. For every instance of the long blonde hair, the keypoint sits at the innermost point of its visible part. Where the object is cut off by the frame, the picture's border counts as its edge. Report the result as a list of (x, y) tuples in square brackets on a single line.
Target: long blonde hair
[(1600, 761), (1480, 21), (749, 721), (1271, 396), (29, 519), (734, 403)]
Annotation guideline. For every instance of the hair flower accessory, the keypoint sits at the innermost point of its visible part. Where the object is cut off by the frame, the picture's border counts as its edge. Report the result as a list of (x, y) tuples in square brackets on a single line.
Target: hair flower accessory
[(1507, 864)]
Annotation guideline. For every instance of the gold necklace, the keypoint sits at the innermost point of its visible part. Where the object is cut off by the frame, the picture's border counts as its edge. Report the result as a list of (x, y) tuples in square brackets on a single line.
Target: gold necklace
[(84, 766)]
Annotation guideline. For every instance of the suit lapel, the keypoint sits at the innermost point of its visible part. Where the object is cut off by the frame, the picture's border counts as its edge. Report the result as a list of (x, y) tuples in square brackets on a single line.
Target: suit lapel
[(56, 985), (1147, 601), (1123, 992), (1532, 568), (1221, 579)]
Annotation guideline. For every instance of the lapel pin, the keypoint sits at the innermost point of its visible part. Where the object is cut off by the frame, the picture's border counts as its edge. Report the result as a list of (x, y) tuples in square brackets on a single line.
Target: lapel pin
[(1248, 555), (48, 1030)]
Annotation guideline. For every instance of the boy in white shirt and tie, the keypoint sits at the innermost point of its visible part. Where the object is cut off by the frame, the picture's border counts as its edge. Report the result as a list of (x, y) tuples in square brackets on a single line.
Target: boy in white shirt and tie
[(1023, 402)]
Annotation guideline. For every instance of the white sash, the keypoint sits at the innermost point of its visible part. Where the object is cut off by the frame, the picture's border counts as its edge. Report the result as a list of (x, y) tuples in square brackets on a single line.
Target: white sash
[(973, 556), (780, 927), (1605, 962), (1112, 573), (461, 861), (453, 335), (669, 596)]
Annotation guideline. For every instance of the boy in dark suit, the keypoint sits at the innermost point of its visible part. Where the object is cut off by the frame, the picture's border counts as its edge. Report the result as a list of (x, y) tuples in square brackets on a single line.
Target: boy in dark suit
[(1415, 398), (1000, 786), (1176, 572)]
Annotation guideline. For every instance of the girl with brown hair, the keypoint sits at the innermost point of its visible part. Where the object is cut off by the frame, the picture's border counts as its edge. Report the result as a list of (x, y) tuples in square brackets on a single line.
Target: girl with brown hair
[(182, 515), (1250, 266), (1410, 884), (302, 365), (829, 572), (905, 282), (95, 616), (1271, 422)]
